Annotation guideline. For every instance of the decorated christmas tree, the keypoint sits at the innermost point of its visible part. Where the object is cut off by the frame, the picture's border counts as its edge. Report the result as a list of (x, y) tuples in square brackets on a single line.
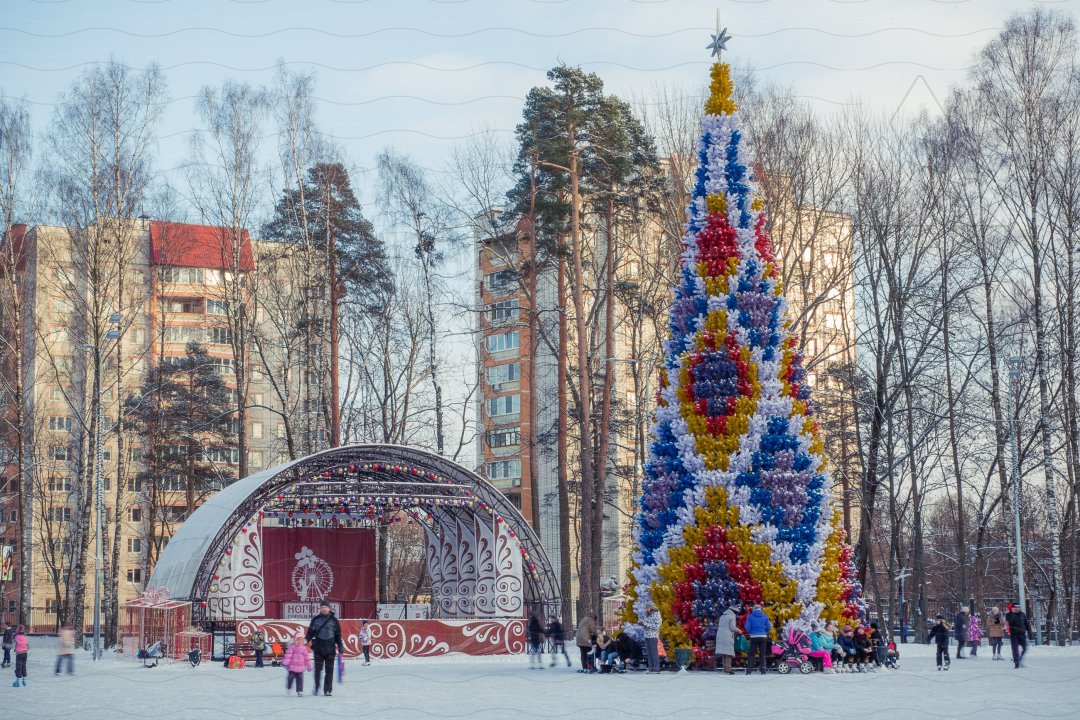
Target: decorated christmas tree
[(737, 501)]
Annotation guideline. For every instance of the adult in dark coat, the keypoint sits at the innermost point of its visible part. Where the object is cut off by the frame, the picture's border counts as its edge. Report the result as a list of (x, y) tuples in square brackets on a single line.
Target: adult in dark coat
[(557, 636), (960, 631), (324, 637), (1019, 629), (629, 649), (536, 642)]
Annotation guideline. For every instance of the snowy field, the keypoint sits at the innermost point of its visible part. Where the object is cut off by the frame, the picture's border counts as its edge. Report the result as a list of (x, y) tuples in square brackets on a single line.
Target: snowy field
[(1049, 687)]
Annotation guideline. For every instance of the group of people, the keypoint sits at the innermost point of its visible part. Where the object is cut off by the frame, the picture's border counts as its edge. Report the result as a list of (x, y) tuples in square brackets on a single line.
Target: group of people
[(837, 649), (1013, 623), (600, 651), (15, 640), (315, 649)]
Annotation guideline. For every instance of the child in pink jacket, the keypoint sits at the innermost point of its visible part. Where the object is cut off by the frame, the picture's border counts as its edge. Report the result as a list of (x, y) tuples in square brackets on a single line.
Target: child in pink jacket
[(297, 660)]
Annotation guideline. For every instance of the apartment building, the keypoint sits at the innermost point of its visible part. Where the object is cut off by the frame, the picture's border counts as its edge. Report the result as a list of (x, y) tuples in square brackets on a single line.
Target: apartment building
[(162, 285)]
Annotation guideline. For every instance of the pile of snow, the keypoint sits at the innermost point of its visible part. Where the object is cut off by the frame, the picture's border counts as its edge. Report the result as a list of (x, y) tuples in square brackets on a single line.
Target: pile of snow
[(505, 687)]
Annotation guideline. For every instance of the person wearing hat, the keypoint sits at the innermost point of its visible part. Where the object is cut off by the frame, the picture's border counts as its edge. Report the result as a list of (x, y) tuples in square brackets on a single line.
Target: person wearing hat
[(726, 630), (995, 631), (364, 636), (940, 634), (324, 637), (651, 623), (297, 661), (758, 627), (1019, 629)]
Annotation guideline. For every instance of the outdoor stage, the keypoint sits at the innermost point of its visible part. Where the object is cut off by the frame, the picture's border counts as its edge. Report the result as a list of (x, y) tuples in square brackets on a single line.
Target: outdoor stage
[(265, 551)]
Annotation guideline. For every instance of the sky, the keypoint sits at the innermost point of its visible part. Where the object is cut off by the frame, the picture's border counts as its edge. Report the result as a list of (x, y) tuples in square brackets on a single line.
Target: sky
[(420, 75)]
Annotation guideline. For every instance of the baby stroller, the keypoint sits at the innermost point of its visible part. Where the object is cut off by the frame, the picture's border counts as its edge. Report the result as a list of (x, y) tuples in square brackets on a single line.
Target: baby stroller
[(793, 653), (152, 654)]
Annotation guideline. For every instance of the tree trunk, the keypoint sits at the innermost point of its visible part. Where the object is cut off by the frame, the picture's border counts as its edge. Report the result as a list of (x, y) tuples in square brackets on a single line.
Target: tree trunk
[(562, 433), (604, 431), (335, 391)]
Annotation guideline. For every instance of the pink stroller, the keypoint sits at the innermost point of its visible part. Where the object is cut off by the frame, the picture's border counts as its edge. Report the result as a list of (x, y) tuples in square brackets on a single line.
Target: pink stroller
[(794, 652)]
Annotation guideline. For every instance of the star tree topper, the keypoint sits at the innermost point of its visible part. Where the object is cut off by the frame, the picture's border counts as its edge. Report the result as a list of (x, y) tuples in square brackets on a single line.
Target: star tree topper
[(720, 39)]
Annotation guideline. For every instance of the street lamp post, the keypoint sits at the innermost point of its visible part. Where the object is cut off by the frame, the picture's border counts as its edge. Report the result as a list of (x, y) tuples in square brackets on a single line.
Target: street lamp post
[(1014, 377), (99, 479)]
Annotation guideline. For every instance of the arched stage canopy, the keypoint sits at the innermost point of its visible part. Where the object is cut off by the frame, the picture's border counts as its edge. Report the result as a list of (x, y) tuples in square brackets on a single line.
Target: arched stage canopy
[(478, 546)]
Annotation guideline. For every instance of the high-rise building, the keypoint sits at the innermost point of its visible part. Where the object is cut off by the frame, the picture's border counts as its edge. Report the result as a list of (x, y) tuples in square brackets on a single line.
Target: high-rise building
[(163, 285)]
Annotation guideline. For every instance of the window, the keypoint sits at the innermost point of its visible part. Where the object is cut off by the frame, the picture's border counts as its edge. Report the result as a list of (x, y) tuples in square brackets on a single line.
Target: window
[(224, 366), (504, 438), (58, 452), (256, 430), (257, 399), (501, 282), (220, 336), (184, 333), (60, 514), (106, 453), (60, 484), (506, 405), (173, 483), (499, 374), (58, 335), (505, 310), (184, 306), (255, 458), (503, 470), (502, 342), (212, 277), (136, 485), (217, 307), (191, 276), (60, 422), (51, 606), (218, 454), (136, 515), (134, 575), (56, 394), (134, 545)]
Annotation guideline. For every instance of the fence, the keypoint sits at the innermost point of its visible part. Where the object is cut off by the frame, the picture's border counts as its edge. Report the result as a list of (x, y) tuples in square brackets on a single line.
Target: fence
[(46, 621)]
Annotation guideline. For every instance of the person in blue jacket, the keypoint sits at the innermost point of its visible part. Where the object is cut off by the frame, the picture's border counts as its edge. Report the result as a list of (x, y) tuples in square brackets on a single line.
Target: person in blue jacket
[(845, 645), (758, 627)]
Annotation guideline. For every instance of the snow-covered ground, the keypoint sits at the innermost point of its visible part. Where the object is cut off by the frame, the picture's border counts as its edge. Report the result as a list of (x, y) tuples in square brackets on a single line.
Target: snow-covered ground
[(1048, 687)]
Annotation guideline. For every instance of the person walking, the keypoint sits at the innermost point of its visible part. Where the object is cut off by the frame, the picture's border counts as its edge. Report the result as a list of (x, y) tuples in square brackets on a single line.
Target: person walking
[(974, 634), (21, 646), (258, 644), (940, 634), (536, 643), (324, 637), (995, 631), (651, 623), (557, 637), (726, 630), (65, 653), (8, 643), (960, 630), (297, 661), (1019, 629), (586, 634), (758, 627), (365, 640)]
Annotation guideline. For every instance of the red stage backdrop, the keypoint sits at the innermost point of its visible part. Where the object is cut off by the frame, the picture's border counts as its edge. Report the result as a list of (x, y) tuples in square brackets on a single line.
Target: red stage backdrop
[(302, 566)]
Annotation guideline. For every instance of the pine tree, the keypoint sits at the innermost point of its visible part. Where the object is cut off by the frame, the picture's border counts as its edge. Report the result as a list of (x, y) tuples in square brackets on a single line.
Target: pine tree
[(183, 414), (736, 502)]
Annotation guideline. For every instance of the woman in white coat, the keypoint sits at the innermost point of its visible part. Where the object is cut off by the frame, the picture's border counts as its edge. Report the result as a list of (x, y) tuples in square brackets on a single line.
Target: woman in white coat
[(726, 630)]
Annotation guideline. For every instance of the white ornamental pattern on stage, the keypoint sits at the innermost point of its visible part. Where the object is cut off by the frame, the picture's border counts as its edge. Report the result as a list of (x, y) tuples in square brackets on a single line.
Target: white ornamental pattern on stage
[(237, 590), (475, 571), (466, 586)]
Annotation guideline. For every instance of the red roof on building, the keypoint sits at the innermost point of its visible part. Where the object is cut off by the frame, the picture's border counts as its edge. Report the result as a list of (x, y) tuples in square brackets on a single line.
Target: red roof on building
[(203, 246)]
